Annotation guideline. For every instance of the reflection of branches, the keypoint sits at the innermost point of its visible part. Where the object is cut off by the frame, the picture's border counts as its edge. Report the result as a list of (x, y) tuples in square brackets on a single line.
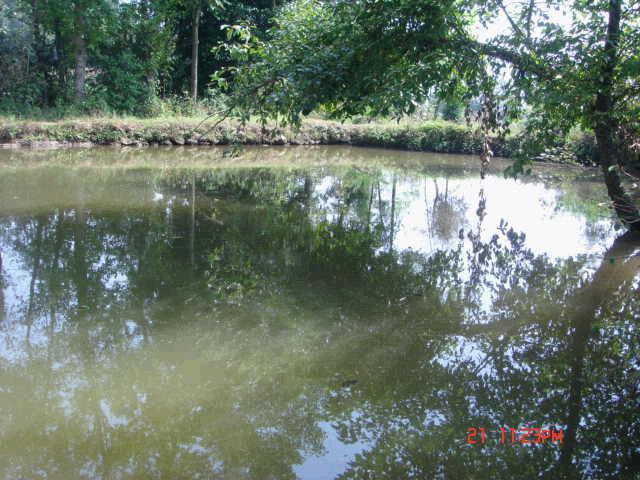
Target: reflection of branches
[(619, 265), (369, 208), (446, 213), (476, 255), (606, 280), (281, 272), (34, 275), (393, 214)]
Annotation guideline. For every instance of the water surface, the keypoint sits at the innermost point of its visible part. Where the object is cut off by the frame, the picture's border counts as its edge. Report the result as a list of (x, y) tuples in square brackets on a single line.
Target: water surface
[(310, 313)]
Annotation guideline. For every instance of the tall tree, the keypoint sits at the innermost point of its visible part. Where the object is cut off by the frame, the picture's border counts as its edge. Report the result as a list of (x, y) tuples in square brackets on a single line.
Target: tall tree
[(197, 12), (81, 25), (80, 52), (196, 7)]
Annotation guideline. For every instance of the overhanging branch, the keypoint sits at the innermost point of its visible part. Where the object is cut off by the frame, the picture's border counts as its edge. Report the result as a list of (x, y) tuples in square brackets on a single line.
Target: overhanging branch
[(521, 61)]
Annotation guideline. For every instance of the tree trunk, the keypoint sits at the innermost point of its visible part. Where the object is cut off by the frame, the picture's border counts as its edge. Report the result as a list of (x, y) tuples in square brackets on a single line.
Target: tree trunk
[(150, 33), (194, 50), (40, 48), (80, 45), (58, 54), (605, 125)]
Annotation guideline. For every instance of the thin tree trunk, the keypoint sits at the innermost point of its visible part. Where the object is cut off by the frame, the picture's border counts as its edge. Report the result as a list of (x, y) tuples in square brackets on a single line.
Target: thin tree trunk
[(194, 50), (80, 45), (147, 14), (39, 51), (58, 53), (605, 125)]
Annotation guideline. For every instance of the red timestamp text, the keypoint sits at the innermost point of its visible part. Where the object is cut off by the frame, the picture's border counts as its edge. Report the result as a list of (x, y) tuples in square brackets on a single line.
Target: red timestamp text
[(512, 436)]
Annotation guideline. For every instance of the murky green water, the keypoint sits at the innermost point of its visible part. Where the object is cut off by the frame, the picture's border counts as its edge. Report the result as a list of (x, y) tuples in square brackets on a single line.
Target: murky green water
[(310, 313)]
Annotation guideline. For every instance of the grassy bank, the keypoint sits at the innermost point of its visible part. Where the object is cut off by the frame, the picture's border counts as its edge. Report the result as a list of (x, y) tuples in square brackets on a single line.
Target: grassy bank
[(441, 137)]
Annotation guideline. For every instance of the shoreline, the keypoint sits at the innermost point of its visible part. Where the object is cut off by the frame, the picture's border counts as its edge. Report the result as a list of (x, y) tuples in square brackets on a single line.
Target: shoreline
[(431, 136), (437, 137)]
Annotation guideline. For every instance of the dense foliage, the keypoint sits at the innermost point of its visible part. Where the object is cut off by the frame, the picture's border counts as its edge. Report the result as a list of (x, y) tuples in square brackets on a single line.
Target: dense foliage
[(83, 56)]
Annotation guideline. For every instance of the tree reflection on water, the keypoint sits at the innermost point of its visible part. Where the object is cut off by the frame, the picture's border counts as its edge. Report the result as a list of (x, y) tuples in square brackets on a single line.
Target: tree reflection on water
[(222, 324)]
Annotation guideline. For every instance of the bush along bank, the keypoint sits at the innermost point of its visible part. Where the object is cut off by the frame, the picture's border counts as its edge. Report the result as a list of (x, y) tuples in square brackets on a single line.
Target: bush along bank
[(439, 137)]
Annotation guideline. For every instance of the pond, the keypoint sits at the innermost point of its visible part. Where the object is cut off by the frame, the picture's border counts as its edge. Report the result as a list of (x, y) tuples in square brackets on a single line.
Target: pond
[(313, 313)]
